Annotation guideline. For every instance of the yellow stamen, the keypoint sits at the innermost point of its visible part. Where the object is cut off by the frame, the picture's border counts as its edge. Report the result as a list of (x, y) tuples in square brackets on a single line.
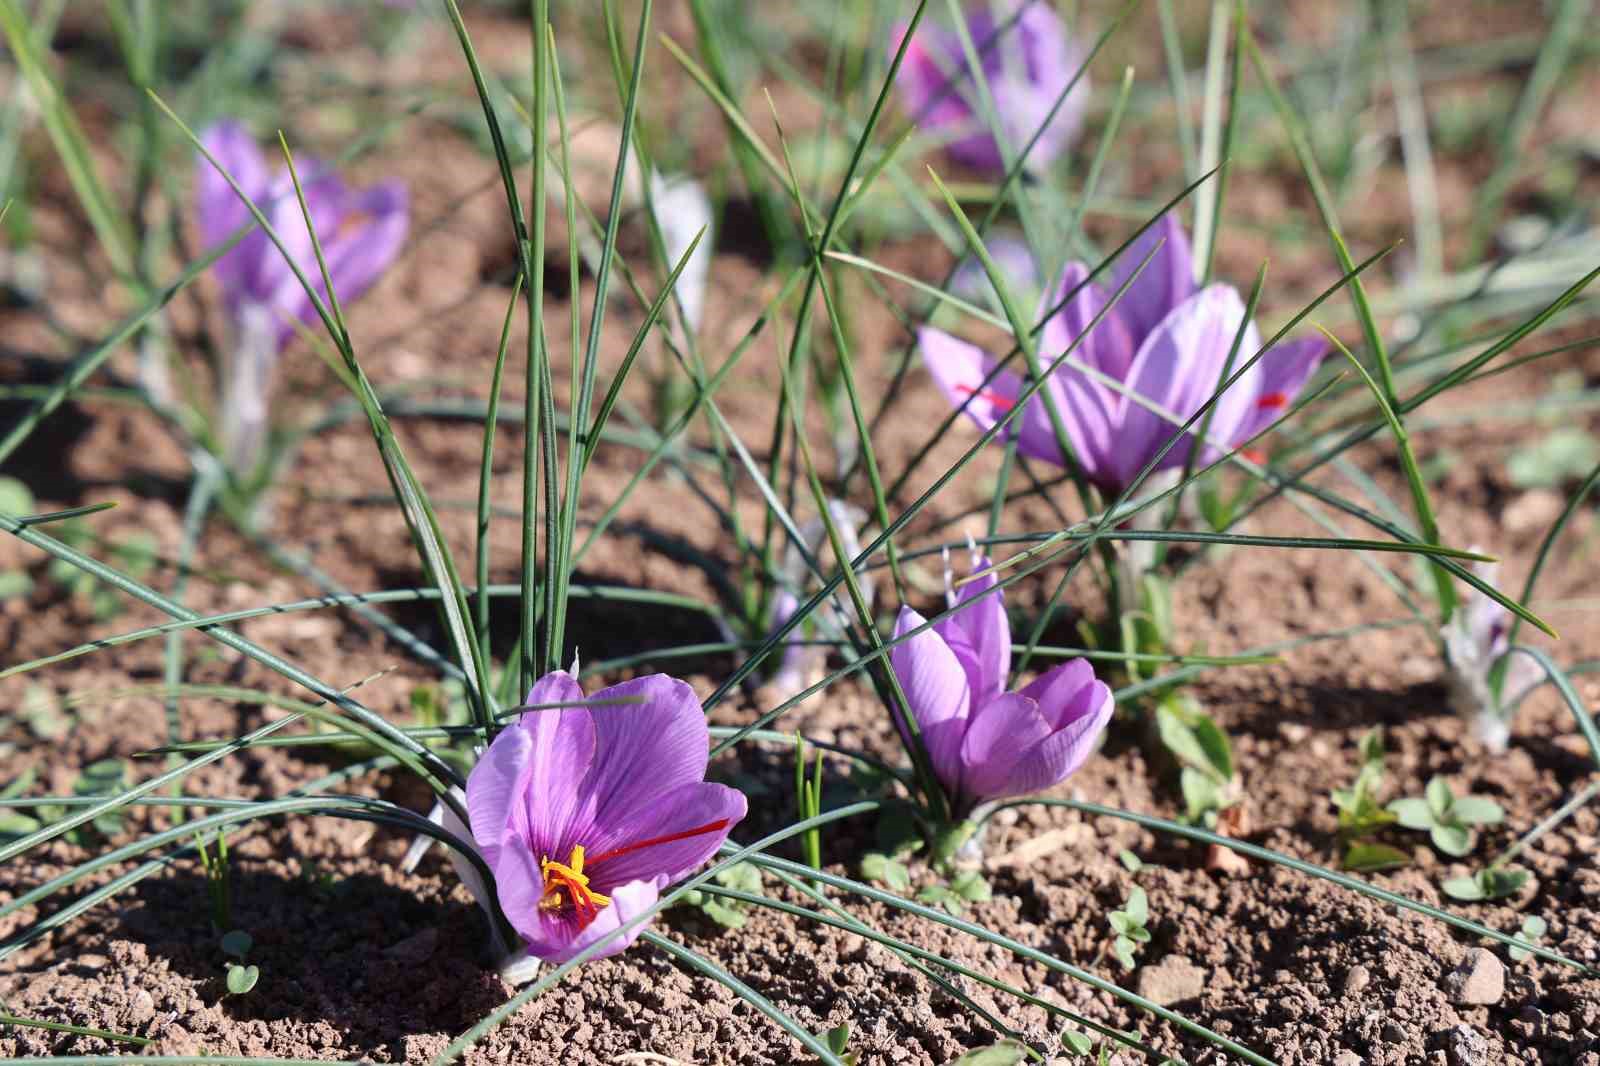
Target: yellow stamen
[(565, 884)]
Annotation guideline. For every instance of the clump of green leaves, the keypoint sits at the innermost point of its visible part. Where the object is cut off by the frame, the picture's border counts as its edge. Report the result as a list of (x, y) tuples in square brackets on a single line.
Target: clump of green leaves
[(1208, 778), (98, 779), (966, 887), (1129, 926), (133, 555), (1361, 815), (1492, 882), (1448, 819), (728, 913)]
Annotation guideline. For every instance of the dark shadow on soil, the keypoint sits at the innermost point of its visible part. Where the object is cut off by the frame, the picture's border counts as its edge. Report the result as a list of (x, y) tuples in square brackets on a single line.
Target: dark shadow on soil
[(41, 460), (373, 959)]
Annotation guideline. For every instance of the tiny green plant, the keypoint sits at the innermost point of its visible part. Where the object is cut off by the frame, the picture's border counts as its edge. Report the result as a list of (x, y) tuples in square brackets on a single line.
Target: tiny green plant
[(219, 879), (727, 911), (1129, 926), (966, 887), (1207, 774), (1449, 820), (241, 977), (838, 1041), (1489, 883), (1532, 931), (1362, 815), (135, 554)]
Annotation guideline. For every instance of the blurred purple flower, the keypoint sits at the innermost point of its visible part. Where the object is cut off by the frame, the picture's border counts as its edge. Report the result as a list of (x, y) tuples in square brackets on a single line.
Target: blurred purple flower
[(1028, 60), (986, 743), (1165, 340), (587, 812), (1476, 638), (361, 233)]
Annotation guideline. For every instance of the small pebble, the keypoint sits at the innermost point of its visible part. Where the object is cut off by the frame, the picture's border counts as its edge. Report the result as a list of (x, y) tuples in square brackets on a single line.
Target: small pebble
[(1479, 981), (1356, 979), (1347, 1058)]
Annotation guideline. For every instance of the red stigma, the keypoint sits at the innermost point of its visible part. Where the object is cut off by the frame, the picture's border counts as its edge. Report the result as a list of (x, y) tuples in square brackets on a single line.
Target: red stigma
[(699, 830), (998, 401), (1272, 401)]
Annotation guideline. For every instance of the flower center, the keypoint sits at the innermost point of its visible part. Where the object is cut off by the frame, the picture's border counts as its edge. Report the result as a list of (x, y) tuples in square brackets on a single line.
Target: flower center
[(565, 885)]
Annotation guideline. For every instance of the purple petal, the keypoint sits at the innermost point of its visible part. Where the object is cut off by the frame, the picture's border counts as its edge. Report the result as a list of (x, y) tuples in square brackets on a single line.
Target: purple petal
[(1050, 60), (936, 690), (555, 808), (643, 750), (1039, 764), (980, 635), (935, 99), (1000, 732), (327, 200), (519, 885), (1109, 348), (218, 207), (1063, 692), (559, 936), (1178, 368), (637, 847), (368, 240), (959, 369), (1285, 369), (1167, 282)]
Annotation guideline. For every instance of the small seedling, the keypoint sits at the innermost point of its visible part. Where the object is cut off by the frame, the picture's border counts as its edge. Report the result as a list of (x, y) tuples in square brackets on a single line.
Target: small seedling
[(1130, 862), (1005, 1053), (134, 556), (1209, 783), (876, 866), (1533, 930), (1129, 926), (1449, 819), (1361, 815), (241, 977), (837, 1039), (808, 801), (966, 887), (728, 913), (1494, 882)]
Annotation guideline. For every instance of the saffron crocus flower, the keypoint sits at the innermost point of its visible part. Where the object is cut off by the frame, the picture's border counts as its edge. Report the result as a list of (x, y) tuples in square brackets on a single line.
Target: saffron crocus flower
[(1166, 340), (985, 743), (1476, 638), (360, 231), (1028, 61), (587, 812)]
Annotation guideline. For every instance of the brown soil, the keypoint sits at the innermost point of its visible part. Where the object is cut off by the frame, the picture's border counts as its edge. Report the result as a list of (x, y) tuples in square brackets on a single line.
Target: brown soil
[(360, 961)]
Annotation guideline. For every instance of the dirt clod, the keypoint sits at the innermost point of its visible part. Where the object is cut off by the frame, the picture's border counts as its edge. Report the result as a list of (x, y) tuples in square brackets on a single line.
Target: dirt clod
[(1479, 981), (1356, 980), (1465, 1046), (1174, 979)]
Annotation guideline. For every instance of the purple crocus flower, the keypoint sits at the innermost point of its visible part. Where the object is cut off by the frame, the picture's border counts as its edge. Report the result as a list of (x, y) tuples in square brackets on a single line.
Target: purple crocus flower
[(587, 812), (361, 232), (1166, 340), (1028, 60), (986, 743)]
